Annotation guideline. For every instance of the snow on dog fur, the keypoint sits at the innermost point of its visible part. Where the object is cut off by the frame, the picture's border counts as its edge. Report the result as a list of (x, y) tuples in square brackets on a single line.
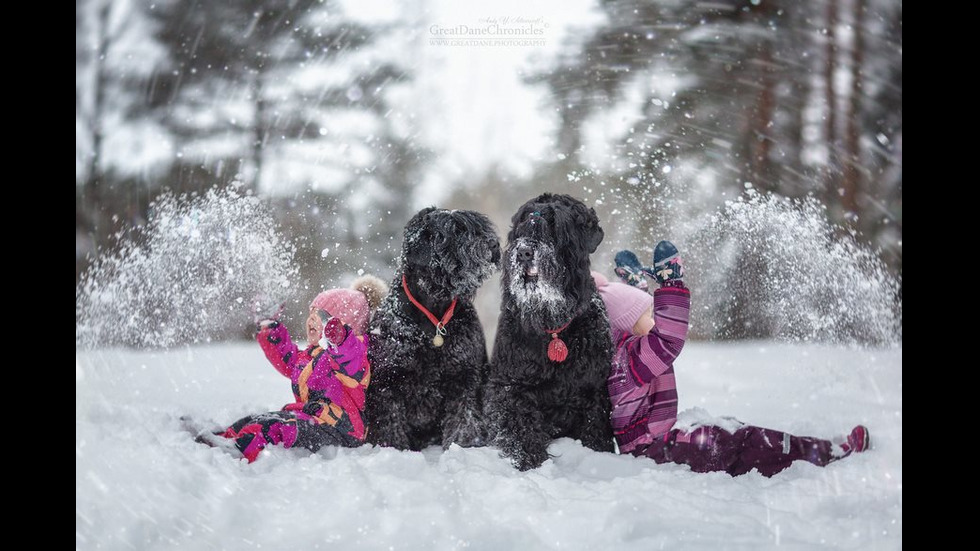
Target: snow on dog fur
[(531, 398), (425, 390)]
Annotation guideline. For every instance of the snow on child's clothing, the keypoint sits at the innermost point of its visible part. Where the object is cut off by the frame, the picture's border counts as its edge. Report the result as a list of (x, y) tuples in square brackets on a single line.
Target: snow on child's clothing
[(641, 384), (328, 386), (711, 448), (644, 396)]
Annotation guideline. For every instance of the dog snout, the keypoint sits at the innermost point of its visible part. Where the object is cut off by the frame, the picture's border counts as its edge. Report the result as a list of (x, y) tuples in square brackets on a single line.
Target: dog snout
[(525, 254), (494, 252)]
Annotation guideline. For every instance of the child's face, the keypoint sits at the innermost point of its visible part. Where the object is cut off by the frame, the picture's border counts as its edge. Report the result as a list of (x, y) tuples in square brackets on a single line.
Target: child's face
[(644, 325), (314, 327)]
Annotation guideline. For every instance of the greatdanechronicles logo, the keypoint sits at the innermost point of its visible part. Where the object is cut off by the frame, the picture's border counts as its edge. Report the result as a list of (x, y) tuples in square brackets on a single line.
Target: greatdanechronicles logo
[(491, 31)]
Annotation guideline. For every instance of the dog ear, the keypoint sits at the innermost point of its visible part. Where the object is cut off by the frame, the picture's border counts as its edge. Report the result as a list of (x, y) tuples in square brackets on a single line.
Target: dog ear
[(481, 225), (584, 217), (595, 238), (495, 252)]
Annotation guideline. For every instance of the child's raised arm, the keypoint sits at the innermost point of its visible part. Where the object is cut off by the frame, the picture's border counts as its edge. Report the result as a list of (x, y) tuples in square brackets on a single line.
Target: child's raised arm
[(656, 352), (279, 348)]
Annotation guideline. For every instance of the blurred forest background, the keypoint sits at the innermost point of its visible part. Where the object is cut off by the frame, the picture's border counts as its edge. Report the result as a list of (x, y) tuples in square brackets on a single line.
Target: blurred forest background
[(658, 110)]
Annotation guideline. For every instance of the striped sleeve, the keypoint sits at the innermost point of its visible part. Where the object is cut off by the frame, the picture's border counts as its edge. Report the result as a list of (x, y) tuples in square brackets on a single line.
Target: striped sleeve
[(654, 354)]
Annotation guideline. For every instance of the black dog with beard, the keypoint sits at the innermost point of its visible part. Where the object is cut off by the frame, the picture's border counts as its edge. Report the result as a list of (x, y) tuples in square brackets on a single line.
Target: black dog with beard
[(534, 394), (427, 372)]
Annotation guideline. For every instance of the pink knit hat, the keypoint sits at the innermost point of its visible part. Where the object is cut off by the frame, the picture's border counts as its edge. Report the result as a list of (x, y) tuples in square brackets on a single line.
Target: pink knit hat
[(624, 304), (353, 306)]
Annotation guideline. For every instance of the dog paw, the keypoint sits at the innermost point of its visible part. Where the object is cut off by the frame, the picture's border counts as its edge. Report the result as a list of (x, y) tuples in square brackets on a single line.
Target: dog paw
[(527, 460), (470, 435)]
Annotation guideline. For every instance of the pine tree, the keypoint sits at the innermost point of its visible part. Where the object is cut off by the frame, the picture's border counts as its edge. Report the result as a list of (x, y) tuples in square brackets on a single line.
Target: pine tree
[(723, 95), (109, 108), (229, 86)]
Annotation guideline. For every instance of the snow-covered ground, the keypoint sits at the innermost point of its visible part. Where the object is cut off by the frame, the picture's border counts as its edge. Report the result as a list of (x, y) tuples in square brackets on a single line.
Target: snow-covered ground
[(142, 483)]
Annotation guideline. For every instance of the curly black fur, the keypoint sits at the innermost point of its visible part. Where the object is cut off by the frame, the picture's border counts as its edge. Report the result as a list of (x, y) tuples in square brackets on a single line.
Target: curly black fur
[(419, 394), (531, 400)]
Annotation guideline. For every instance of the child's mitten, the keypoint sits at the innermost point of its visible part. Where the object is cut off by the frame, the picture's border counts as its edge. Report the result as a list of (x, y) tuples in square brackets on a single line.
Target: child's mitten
[(265, 311), (334, 333), (668, 268), (628, 269)]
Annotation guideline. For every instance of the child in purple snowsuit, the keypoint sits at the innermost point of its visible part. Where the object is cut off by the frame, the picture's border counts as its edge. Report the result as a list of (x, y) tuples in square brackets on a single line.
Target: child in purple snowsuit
[(329, 377), (649, 332)]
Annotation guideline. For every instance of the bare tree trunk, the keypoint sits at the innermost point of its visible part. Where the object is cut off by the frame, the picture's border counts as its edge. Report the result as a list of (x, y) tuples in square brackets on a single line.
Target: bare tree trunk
[(96, 123), (569, 134), (793, 183), (830, 100), (761, 129), (851, 165), (258, 127)]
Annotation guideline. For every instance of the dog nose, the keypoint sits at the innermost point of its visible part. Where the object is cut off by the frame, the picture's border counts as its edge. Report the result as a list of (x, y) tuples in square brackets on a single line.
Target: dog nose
[(525, 255)]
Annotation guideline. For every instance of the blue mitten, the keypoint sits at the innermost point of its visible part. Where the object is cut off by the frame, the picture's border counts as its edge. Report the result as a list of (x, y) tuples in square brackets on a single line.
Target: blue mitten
[(668, 267), (628, 269)]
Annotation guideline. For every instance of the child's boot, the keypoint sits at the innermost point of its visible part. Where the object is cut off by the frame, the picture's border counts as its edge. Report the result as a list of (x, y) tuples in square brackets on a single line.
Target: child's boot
[(858, 440)]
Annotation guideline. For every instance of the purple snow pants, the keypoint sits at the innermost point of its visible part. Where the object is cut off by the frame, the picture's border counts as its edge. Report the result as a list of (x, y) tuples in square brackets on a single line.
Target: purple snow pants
[(710, 448), (253, 433)]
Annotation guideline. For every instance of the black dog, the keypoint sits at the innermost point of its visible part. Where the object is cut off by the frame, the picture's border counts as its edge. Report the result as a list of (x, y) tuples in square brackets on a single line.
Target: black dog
[(536, 393), (428, 372)]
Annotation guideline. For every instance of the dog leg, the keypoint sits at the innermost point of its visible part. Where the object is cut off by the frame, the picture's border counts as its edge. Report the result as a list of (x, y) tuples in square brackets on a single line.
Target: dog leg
[(517, 430), (595, 431), (464, 425), (387, 422)]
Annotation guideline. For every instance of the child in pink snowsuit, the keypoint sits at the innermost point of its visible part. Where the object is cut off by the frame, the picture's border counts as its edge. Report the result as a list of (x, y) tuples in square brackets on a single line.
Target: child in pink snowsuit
[(649, 333), (329, 377)]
